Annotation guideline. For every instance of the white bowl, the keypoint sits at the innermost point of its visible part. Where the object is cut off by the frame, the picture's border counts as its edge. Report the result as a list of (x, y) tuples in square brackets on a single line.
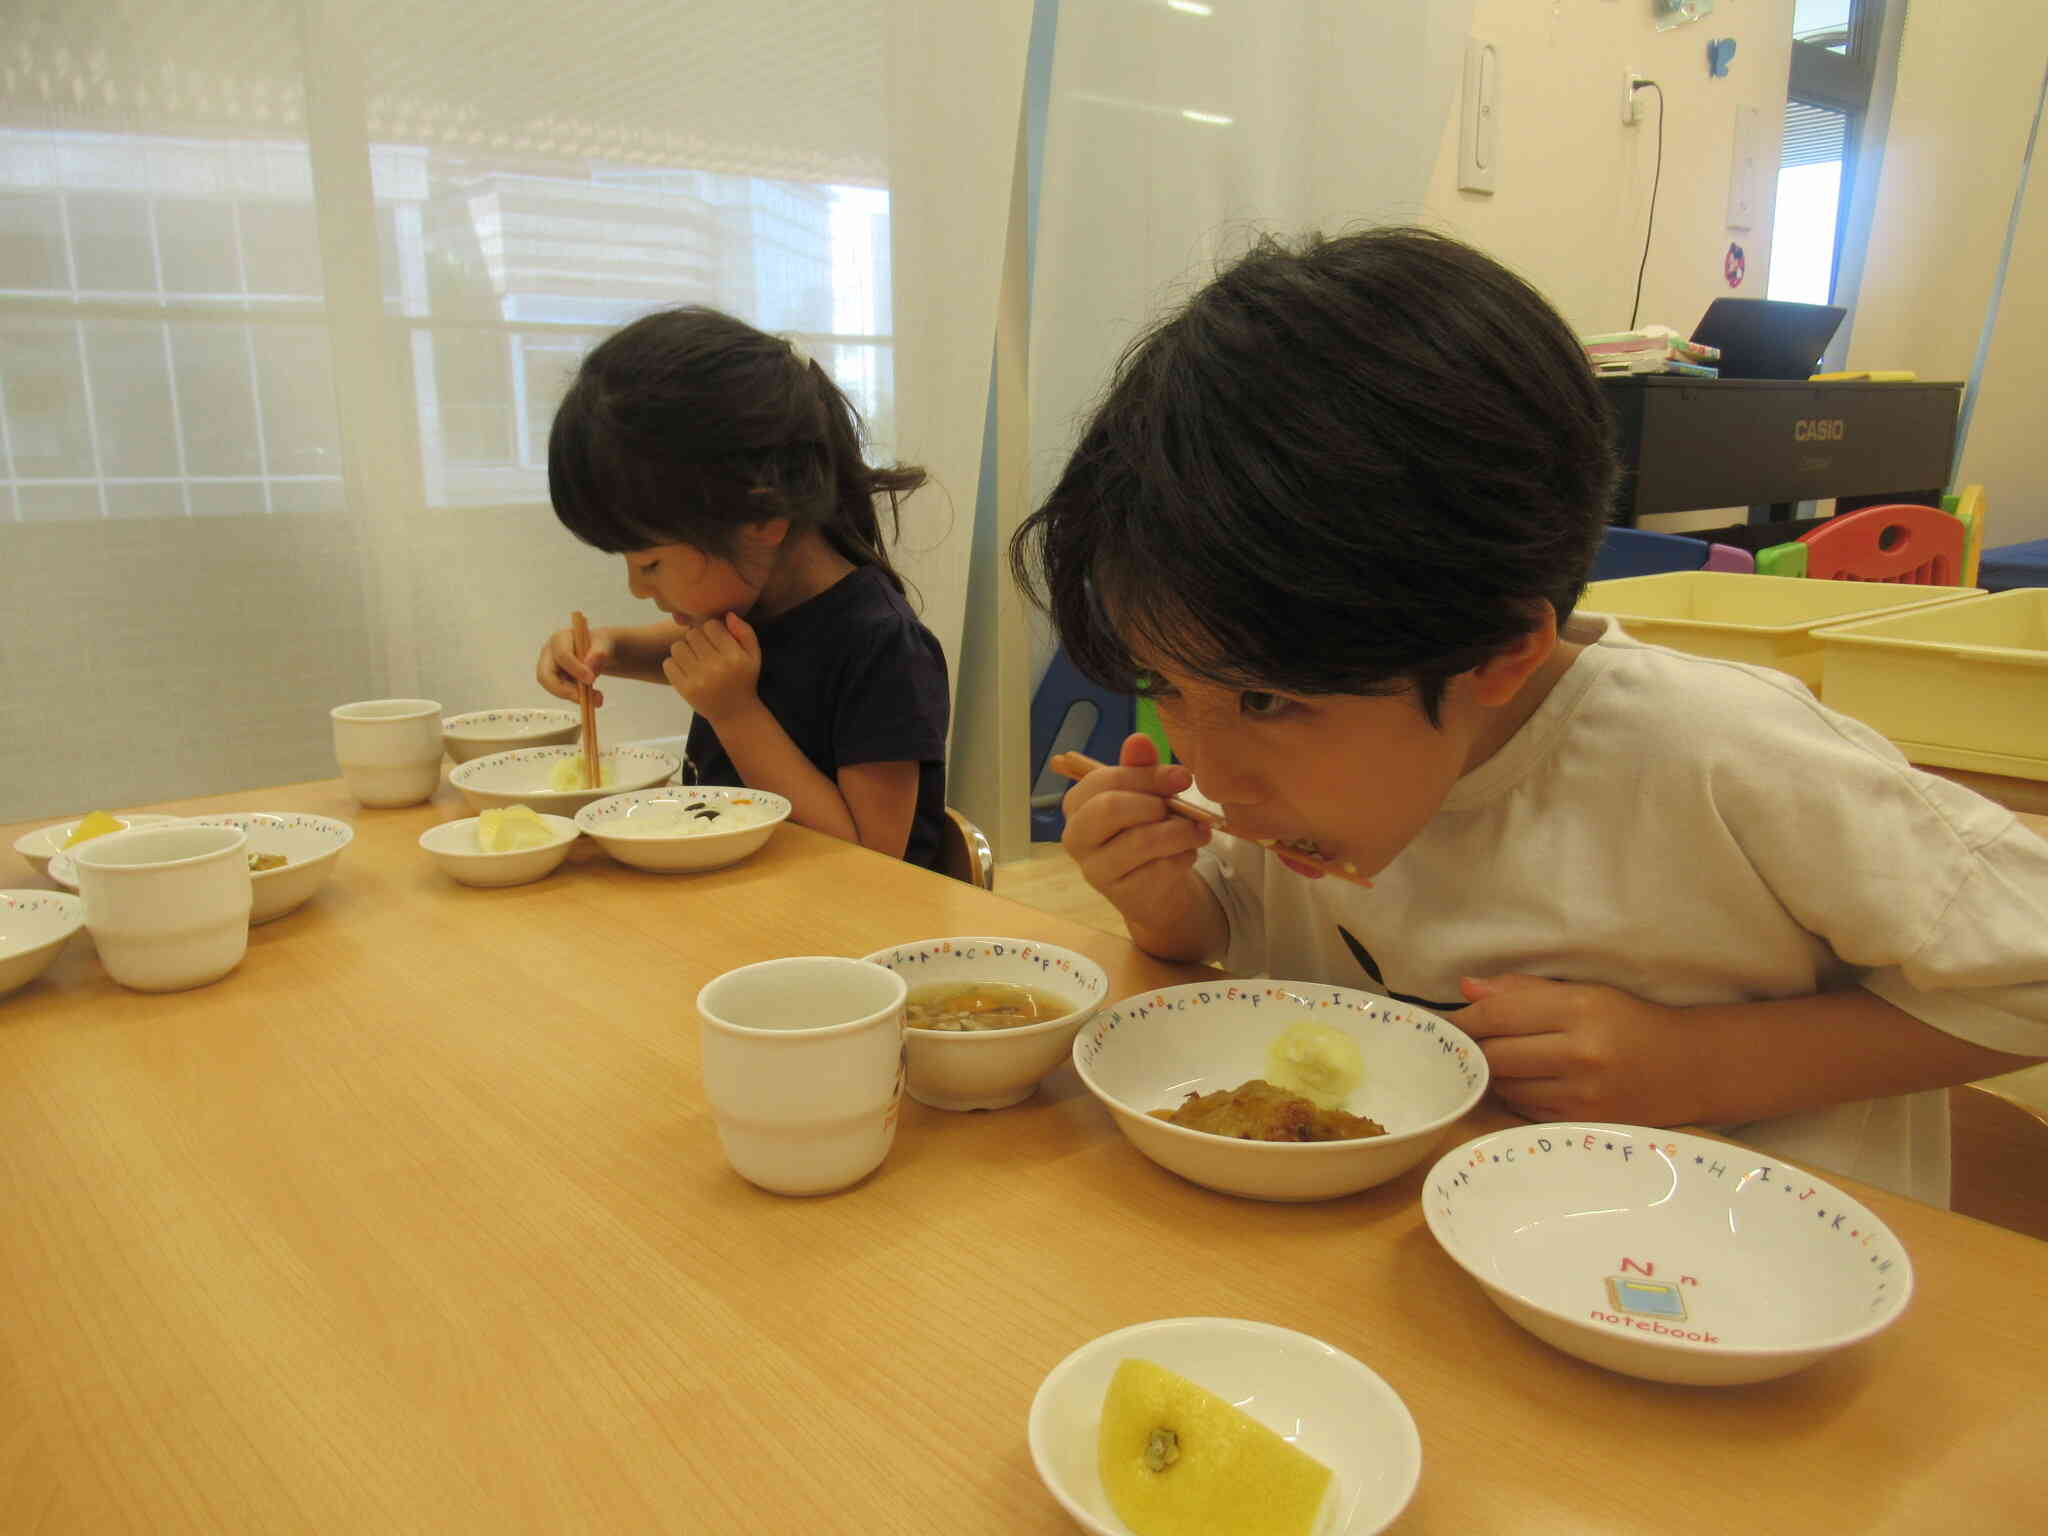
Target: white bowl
[(637, 828), (311, 845), (1318, 1398), (39, 846), (455, 848), (483, 732), (34, 927), (992, 1068), (1663, 1255), (521, 777), (1151, 1051)]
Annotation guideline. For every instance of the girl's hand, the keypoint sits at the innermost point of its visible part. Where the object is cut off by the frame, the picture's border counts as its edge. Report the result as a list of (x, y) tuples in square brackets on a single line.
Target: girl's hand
[(1121, 835), (716, 667), (1574, 1051), (560, 669)]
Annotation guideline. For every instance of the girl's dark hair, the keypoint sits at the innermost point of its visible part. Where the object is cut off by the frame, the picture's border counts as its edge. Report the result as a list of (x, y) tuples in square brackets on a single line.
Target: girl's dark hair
[(687, 425), (1350, 466)]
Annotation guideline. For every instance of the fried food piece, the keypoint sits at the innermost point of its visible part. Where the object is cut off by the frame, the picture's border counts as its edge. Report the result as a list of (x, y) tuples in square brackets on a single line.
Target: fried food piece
[(259, 862), (1257, 1111)]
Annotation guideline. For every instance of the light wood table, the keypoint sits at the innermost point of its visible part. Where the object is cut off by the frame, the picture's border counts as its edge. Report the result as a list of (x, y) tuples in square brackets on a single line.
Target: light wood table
[(417, 1222)]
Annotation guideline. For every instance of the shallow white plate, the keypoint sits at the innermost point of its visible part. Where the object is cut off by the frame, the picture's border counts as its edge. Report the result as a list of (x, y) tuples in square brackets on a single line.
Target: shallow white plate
[(482, 732), (1317, 1397), (34, 928), (1665, 1255), (1150, 1051), (41, 844), (311, 844), (630, 826), (521, 777)]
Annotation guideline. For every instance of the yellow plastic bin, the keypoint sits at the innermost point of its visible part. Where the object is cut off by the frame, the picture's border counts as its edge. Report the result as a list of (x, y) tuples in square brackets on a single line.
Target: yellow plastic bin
[(1962, 685), (1768, 621)]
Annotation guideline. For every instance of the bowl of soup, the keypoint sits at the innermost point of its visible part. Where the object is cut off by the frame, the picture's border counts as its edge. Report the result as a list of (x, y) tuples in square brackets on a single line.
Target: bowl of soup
[(988, 1018)]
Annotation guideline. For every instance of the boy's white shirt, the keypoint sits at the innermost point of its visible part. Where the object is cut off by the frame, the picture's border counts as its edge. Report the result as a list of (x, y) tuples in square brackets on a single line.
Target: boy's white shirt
[(1693, 831)]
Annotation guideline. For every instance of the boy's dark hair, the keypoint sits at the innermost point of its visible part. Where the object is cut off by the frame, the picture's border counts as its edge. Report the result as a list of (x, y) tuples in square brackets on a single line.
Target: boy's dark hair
[(1349, 466), (687, 425)]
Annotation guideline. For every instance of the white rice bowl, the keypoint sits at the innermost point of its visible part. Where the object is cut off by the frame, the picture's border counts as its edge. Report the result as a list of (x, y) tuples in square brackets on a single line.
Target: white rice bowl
[(670, 830)]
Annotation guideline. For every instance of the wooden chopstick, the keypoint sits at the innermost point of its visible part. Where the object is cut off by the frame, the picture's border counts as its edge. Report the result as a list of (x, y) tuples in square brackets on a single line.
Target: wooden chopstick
[(1076, 765), (579, 635)]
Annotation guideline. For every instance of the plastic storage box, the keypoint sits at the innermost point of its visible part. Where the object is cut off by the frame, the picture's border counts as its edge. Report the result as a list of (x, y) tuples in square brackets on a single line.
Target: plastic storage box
[(1768, 621), (1960, 685)]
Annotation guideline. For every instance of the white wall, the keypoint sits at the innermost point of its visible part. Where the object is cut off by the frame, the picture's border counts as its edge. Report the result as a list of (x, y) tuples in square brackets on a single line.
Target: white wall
[(1573, 187), (1969, 78)]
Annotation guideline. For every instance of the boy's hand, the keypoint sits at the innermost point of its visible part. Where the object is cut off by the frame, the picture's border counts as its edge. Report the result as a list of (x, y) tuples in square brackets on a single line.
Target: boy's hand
[(1122, 837), (716, 667), (560, 669), (1574, 1051)]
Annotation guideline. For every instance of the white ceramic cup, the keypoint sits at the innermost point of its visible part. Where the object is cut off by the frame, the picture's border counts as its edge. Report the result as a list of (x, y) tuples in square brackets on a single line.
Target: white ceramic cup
[(389, 750), (803, 1069), (167, 907)]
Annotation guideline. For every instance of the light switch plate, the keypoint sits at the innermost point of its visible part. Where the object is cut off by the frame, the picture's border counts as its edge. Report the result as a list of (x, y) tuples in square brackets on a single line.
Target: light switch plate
[(1479, 118), (1744, 173)]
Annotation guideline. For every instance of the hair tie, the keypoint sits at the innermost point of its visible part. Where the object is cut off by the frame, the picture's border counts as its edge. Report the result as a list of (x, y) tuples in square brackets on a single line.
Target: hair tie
[(798, 350)]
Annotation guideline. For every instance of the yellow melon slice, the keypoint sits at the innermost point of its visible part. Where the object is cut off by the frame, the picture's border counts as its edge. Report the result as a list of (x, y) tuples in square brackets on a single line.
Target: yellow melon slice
[(511, 828), (1177, 1460), (94, 824)]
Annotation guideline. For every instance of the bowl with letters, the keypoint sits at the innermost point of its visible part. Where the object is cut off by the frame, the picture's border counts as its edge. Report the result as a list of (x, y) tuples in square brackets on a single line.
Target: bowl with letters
[(1665, 1255)]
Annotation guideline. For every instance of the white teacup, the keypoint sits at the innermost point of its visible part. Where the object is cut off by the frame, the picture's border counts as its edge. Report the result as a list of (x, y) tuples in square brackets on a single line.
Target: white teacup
[(803, 1069), (389, 750), (167, 907)]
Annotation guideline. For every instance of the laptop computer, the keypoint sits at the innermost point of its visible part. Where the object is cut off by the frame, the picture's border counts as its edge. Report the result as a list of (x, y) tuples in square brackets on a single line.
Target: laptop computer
[(1768, 338)]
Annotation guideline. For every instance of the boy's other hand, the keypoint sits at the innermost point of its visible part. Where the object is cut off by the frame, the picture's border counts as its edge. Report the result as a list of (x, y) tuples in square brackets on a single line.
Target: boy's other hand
[(1562, 1050), (1121, 835), (716, 667), (560, 669)]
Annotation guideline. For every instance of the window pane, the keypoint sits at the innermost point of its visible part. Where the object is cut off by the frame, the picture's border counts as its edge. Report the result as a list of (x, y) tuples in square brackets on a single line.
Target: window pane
[(281, 247), (110, 243), (1823, 23), (197, 240), (219, 412), (43, 390), (295, 382), (32, 243), (150, 498), (1808, 204), (131, 398)]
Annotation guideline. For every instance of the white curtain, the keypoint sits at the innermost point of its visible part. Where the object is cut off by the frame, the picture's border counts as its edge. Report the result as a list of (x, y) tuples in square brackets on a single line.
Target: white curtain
[(1179, 131), (289, 289)]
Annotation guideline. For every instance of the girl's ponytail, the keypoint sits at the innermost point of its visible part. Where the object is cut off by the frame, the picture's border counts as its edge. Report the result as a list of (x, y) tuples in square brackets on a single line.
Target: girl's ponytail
[(855, 526)]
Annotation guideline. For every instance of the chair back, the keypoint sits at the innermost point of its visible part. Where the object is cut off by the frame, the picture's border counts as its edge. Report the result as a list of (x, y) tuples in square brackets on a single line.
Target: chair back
[(1905, 542), (1969, 505), (1639, 552), (965, 854), (1070, 714), (1998, 1160)]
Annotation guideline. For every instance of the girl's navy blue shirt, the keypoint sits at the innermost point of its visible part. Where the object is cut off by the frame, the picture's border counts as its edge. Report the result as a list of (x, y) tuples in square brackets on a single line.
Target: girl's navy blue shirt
[(854, 677)]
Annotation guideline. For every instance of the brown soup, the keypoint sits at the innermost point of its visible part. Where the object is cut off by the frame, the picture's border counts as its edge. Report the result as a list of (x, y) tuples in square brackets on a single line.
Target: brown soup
[(960, 1007)]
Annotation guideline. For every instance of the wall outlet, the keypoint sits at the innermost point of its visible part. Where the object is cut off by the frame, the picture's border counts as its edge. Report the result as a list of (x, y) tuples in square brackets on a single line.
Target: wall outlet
[(1631, 97)]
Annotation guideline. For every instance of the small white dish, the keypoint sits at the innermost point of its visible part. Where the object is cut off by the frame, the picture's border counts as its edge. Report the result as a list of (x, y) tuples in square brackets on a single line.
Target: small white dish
[(991, 1068), (1318, 1398), (454, 847), (42, 844), (1663, 1255), (34, 928), (311, 846), (482, 732), (673, 830), (521, 777), (1151, 1051)]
